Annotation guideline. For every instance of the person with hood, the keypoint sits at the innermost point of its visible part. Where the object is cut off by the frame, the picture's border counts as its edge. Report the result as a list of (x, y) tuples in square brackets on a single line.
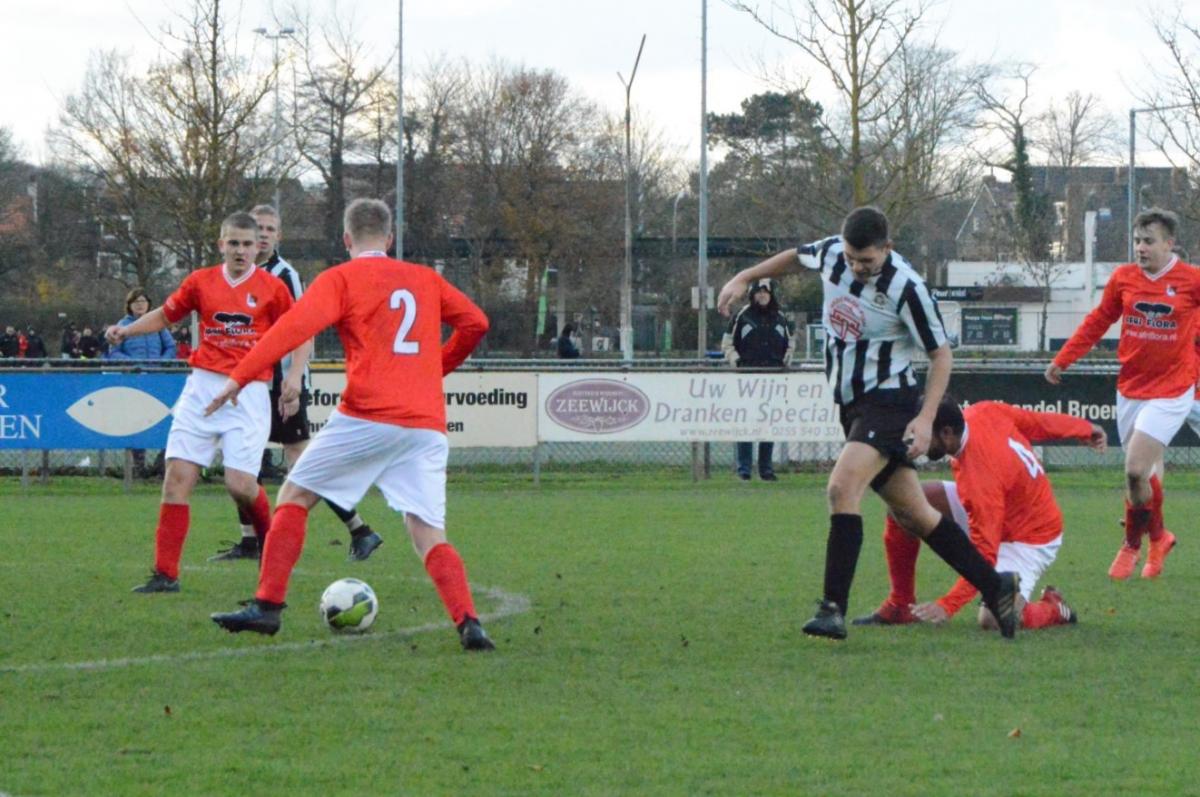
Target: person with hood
[(158, 345), (759, 336), (567, 350), (36, 348)]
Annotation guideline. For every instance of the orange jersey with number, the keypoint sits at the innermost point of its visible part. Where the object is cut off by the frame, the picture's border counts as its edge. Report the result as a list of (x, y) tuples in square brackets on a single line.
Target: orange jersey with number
[(234, 315), (389, 316), (1001, 482), (1157, 315)]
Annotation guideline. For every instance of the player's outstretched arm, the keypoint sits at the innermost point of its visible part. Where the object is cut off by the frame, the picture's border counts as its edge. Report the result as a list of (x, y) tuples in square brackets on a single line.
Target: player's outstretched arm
[(152, 321), (735, 289), (229, 392)]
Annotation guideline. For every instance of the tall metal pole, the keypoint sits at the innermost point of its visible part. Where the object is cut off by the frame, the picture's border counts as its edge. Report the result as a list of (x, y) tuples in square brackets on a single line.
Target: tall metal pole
[(276, 125), (1132, 179), (400, 135), (627, 274), (702, 266)]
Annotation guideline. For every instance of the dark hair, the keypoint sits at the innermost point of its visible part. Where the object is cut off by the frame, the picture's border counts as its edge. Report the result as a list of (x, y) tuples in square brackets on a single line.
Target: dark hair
[(865, 227), (133, 295), (949, 414), (567, 330), (1168, 220)]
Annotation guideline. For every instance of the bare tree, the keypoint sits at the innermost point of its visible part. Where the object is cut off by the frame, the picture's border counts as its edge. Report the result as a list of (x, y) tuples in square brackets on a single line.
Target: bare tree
[(1078, 131), (173, 150), (335, 100), (857, 44)]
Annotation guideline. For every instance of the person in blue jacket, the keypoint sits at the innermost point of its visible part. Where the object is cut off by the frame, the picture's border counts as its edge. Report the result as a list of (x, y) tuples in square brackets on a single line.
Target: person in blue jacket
[(155, 346)]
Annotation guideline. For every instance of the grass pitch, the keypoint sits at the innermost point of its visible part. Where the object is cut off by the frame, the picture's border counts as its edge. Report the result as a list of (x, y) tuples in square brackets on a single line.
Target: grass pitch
[(649, 645)]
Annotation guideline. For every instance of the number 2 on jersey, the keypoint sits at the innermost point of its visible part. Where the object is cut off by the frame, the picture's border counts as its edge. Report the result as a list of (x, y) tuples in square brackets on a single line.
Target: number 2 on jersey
[(404, 301)]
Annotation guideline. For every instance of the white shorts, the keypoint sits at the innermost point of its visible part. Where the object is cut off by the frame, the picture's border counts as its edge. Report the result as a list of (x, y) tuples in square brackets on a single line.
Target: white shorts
[(239, 432), (350, 454), (1028, 561), (1193, 418), (1161, 418)]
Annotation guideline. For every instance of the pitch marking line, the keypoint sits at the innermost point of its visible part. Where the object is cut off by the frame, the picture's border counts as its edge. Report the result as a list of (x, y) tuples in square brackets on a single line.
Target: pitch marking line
[(509, 604)]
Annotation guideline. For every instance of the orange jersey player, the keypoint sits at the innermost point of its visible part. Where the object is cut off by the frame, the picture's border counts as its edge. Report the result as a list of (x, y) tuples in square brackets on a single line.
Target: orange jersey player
[(1001, 494), (390, 428), (1156, 300), (236, 302)]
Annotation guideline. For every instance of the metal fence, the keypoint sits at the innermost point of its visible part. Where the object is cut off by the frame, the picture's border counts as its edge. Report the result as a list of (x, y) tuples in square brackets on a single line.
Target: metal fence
[(1016, 381)]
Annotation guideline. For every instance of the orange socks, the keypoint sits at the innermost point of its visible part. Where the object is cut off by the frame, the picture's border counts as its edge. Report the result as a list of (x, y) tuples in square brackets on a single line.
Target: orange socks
[(902, 550), (283, 546), (172, 530), (260, 516), (445, 567), (1156, 507)]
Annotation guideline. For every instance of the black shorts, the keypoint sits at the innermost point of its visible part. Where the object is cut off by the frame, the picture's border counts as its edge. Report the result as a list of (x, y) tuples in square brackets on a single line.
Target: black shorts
[(295, 428), (879, 419)]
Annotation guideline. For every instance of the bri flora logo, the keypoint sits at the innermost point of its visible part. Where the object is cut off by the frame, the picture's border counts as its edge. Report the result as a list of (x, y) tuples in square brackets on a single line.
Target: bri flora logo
[(118, 411)]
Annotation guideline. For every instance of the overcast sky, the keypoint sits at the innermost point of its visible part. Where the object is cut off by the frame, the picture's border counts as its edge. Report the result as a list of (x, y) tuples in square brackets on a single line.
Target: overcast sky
[(1098, 46)]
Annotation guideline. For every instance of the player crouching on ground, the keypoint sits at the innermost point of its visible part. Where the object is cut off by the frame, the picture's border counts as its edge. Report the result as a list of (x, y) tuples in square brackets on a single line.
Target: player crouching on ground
[(390, 428), (1001, 494)]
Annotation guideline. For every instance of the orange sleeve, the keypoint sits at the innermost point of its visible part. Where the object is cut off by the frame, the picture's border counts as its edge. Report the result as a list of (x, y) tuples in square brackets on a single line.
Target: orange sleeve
[(1094, 325), (319, 307), (469, 322), (182, 301), (1040, 427), (984, 502)]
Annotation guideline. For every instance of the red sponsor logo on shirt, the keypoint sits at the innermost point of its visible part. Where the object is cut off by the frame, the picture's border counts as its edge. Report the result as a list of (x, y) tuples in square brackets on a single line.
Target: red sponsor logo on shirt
[(847, 318)]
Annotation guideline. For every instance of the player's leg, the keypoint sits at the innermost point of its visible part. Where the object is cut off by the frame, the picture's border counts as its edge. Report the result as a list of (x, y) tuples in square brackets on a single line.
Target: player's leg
[(174, 517), (415, 484), (907, 502), (1031, 562)]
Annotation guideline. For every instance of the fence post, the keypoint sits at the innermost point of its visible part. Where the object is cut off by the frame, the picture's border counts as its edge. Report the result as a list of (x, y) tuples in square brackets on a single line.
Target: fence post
[(695, 462), (707, 460), (128, 470), (45, 475), (537, 464), (24, 469)]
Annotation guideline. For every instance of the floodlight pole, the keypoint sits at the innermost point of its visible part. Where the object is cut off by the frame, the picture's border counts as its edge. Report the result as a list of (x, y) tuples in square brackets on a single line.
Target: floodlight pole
[(1132, 179), (400, 135), (627, 275), (282, 33), (702, 232)]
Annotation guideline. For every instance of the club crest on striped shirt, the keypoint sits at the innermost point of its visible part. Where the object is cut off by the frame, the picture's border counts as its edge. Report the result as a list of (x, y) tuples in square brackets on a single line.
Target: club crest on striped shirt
[(847, 318)]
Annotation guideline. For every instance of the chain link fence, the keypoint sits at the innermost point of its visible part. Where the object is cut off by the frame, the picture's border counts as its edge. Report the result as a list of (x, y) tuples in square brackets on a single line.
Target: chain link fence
[(1010, 380)]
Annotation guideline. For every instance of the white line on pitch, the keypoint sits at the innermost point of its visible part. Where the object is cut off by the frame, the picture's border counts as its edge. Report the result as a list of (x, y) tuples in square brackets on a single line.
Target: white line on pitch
[(509, 604)]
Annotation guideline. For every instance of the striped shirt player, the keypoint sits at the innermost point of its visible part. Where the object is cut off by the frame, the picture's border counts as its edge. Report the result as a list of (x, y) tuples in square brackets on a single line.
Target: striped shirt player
[(877, 312), (872, 329), (1157, 301), (390, 428)]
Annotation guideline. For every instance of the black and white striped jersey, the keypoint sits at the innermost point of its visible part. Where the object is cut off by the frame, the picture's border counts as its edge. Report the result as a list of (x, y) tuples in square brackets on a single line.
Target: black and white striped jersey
[(872, 329), (279, 267)]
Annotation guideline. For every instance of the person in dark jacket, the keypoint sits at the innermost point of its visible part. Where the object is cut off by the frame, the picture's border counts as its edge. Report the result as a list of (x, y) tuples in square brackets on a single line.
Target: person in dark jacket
[(154, 346), (759, 336), (10, 344), (88, 345), (567, 349), (36, 348)]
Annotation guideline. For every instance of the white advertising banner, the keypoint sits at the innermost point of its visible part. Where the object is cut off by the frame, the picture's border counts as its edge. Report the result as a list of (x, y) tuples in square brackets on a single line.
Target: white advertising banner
[(483, 408), (694, 407)]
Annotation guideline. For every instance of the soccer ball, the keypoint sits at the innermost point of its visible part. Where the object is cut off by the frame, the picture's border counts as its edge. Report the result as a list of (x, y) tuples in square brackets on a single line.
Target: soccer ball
[(349, 605)]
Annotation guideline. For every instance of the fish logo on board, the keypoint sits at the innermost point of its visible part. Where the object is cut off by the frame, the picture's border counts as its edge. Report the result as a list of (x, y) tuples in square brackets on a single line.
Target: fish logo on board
[(118, 411)]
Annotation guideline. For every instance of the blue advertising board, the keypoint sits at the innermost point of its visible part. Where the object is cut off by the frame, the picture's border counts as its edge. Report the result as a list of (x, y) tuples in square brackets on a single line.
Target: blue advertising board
[(40, 410)]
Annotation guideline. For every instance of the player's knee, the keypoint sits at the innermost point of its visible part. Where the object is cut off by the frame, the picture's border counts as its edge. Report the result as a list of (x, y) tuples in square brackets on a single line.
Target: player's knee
[(842, 497)]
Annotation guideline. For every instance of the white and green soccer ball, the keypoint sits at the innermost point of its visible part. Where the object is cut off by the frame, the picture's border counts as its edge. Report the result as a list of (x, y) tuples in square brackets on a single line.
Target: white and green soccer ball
[(349, 605)]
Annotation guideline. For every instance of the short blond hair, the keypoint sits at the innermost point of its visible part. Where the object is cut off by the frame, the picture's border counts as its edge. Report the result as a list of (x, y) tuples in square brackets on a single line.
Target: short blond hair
[(367, 219), (239, 221)]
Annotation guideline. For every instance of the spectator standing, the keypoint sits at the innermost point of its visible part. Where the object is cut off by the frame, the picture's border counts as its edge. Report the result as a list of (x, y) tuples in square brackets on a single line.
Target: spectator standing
[(36, 348), (88, 345), (158, 345), (567, 349), (759, 336), (10, 344)]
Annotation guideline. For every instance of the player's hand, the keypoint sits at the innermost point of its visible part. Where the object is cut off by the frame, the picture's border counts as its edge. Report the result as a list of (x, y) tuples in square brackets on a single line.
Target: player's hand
[(1053, 374), (931, 613), (289, 391), (229, 392), (1098, 442), (733, 290), (918, 435), (114, 334), (288, 408)]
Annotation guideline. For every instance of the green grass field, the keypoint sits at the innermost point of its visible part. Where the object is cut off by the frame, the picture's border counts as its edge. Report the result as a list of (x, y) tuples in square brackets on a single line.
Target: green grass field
[(650, 645)]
